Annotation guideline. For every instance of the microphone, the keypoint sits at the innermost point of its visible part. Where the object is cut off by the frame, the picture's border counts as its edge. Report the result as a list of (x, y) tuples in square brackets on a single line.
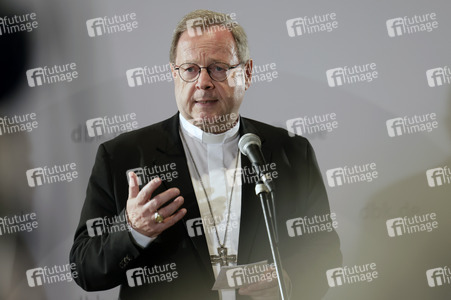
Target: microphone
[(250, 146)]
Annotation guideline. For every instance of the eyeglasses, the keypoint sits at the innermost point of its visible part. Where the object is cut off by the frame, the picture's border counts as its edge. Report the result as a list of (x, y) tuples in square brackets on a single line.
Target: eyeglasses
[(217, 71)]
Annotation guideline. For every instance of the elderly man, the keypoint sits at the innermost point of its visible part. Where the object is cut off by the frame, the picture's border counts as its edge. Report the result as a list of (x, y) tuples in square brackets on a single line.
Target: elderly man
[(182, 231)]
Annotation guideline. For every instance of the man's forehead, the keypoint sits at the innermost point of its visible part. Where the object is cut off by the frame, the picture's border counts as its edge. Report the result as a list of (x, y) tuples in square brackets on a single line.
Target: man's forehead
[(209, 45)]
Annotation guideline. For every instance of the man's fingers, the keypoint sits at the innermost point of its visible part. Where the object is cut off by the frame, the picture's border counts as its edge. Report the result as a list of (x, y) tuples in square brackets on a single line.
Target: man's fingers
[(157, 228), (146, 193), (171, 208), (170, 221), (161, 199), (133, 187)]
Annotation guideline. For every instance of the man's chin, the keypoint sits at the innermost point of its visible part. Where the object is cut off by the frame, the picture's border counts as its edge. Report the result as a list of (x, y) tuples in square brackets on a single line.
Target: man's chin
[(215, 117)]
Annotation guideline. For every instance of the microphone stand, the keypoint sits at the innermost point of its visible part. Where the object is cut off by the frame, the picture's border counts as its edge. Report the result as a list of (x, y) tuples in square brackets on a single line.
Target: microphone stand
[(263, 192)]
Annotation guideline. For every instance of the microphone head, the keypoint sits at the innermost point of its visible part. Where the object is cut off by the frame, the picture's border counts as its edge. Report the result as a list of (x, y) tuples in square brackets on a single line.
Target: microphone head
[(247, 140)]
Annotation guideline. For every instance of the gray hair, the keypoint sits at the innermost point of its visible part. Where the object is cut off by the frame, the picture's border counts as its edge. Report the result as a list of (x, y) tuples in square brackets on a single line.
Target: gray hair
[(214, 19)]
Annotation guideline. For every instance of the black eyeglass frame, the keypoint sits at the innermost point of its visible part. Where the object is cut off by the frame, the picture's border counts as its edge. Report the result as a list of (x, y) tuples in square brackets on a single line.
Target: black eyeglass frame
[(229, 67)]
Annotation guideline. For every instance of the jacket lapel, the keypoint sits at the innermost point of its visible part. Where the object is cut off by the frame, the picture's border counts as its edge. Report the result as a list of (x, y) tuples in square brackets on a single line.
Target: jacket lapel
[(172, 152)]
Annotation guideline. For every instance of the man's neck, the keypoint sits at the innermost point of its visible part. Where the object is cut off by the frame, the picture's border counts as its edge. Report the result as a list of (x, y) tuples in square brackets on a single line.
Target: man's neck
[(218, 132), (216, 124)]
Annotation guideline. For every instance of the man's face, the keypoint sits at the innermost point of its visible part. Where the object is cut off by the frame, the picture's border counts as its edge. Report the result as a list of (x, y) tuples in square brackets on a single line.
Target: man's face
[(206, 98)]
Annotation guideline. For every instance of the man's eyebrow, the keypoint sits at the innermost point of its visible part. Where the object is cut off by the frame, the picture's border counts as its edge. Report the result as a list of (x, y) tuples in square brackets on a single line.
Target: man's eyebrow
[(210, 62), (187, 62)]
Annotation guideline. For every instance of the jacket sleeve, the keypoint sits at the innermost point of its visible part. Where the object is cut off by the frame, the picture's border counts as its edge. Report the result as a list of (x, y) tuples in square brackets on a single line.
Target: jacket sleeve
[(101, 259), (314, 253)]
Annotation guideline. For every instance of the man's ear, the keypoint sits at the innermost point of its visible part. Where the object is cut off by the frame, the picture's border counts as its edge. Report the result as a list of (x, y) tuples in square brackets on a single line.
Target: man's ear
[(173, 71), (248, 73)]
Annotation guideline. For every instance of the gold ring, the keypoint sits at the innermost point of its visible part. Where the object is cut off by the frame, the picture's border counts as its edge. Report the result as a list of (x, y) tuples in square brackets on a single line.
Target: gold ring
[(158, 218)]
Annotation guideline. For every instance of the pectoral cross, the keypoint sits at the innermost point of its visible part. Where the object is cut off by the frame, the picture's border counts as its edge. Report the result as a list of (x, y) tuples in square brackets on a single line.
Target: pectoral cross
[(222, 258)]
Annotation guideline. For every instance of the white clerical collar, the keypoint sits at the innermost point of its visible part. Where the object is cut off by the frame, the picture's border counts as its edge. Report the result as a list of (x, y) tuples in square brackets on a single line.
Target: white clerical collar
[(209, 138)]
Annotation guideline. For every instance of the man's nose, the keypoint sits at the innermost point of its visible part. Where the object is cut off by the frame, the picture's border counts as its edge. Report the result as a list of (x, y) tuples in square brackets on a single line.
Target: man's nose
[(204, 82)]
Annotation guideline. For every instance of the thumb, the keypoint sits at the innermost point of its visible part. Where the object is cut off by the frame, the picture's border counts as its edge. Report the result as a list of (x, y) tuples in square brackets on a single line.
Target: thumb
[(133, 187)]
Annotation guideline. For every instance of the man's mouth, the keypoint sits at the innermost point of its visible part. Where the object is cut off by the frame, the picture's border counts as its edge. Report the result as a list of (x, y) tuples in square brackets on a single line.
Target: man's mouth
[(206, 101)]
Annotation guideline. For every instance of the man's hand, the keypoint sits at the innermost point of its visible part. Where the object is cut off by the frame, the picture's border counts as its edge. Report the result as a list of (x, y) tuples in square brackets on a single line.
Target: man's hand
[(141, 207), (265, 290)]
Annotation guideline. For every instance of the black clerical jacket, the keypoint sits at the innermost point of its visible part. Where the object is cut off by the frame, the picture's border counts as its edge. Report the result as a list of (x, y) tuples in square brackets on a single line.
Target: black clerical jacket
[(107, 256)]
